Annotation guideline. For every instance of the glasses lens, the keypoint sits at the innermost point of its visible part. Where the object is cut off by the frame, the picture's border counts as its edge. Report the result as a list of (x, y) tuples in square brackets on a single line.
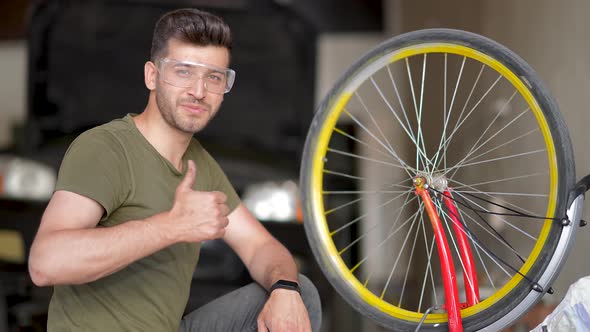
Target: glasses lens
[(188, 74)]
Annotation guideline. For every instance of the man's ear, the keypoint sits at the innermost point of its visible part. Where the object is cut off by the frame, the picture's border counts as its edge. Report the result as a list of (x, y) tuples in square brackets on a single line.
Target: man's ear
[(150, 73)]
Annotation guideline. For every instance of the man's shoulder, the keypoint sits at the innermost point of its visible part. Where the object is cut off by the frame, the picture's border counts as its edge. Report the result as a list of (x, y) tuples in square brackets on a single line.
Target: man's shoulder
[(114, 127), (107, 136), (108, 131)]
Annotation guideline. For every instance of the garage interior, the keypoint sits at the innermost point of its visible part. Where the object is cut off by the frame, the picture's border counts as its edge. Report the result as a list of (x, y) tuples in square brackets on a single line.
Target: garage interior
[(288, 54)]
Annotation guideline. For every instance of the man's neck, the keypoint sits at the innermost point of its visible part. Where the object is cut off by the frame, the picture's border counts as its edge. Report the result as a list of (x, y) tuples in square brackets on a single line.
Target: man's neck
[(168, 141)]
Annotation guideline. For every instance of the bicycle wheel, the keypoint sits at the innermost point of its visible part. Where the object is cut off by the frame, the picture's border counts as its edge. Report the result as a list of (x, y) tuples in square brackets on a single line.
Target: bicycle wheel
[(468, 115)]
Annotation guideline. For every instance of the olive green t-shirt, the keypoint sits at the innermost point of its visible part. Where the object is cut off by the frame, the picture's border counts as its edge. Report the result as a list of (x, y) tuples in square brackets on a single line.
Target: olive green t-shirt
[(116, 166)]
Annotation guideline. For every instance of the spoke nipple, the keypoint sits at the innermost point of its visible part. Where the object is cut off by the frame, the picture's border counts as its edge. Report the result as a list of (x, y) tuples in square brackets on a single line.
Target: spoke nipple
[(550, 290), (537, 288), (583, 223), (565, 222)]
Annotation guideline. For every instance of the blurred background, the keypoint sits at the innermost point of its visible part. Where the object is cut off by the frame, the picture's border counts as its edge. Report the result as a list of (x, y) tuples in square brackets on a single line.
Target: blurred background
[(67, 66)]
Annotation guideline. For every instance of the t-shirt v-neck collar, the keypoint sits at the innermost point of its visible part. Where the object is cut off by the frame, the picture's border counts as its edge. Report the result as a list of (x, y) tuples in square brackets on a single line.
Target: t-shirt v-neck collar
[(129, 120)]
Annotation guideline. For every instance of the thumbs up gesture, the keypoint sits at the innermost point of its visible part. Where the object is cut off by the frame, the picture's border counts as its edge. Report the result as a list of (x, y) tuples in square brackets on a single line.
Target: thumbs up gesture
[(197, 215)]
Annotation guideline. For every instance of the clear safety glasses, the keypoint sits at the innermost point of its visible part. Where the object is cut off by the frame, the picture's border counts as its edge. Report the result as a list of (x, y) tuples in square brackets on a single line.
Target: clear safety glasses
[(185, 74)]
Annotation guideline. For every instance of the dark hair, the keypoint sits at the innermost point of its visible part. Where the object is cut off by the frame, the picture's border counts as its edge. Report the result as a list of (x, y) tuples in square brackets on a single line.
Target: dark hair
[(191, 26)]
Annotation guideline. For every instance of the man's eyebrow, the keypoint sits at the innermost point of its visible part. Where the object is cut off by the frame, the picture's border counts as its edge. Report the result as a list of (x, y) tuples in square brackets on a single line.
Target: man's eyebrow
[(184, 64), (195, 65)]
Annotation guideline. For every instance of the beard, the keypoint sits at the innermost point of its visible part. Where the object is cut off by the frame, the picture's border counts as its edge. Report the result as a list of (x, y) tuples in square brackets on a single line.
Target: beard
[(186, 123)]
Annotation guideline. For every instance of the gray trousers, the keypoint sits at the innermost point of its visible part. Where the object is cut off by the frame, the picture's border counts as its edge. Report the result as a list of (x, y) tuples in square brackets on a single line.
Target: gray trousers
[(238, 310)]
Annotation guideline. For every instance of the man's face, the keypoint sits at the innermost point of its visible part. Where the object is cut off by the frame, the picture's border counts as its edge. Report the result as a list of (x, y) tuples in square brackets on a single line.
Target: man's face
[(189, 109)]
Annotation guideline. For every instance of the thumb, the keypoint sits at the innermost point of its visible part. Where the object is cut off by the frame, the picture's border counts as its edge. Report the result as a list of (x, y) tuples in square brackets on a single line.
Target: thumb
[(189, 177)]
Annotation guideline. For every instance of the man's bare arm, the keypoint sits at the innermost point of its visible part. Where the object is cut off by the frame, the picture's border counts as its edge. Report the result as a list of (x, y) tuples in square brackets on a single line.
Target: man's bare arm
[(266, 258), (268, 261), (70, 249)]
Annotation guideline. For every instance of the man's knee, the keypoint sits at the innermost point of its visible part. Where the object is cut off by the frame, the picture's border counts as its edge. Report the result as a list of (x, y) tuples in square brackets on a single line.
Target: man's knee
[(311, 298)]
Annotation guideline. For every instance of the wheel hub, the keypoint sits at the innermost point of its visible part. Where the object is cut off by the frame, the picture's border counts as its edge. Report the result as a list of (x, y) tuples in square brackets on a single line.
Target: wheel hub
[(435, 180)]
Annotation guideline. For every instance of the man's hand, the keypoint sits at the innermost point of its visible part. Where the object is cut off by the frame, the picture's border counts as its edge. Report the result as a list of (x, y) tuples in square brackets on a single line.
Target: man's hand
[(197, 215), (284, 312)]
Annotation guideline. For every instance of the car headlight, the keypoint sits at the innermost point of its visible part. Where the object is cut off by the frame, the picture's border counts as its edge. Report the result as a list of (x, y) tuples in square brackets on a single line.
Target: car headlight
[(273, 201), (25, 179)]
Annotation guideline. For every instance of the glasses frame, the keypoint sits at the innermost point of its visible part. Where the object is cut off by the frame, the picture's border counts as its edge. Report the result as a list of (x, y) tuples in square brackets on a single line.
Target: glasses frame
[(229, 73)]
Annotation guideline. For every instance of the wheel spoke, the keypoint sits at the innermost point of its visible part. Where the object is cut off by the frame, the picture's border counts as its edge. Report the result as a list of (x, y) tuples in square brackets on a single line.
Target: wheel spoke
[(342, 206), (503, 193), (420, 134), (455, 127), (473, 148), (385, 240), (349, 192), (499, 146), (405, 166), (374, 121), (397, 259), (354, 177), (512, 205), (491, 150), (401, 104), (445, 218), (499, 217), (427, 270), (444, 133), (526, 176), (486, 250), (374, 226), (364, 215), (459, 124), (353, 155), (478, 254), (467, 159), (406, 130), (420, 154), (499, 158), (401, 297), (443, 142), (341, 132)]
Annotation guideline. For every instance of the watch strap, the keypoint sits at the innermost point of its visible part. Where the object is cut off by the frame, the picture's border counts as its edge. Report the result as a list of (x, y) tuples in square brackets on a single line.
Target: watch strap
[(285, 284)]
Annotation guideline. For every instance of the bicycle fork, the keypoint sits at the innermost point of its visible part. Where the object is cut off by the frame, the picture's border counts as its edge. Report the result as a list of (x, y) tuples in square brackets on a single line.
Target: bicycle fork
[(452, 304)]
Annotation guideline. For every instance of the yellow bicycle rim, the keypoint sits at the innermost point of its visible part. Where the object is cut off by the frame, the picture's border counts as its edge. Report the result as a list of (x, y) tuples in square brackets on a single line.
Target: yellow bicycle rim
[(325, 132)]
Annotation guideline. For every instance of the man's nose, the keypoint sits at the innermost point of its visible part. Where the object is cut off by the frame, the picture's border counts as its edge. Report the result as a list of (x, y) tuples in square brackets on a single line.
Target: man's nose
[(197, 89)]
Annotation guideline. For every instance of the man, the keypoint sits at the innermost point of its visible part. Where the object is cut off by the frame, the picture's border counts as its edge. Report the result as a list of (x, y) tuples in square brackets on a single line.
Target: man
[(120, 237)]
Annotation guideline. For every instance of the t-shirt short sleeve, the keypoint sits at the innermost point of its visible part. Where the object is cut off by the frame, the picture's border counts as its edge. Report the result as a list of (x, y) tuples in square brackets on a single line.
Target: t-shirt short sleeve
[(95, 166)]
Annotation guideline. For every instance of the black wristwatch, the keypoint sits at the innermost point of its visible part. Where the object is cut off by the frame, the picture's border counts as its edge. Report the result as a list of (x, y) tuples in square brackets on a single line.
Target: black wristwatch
[(285, 284)]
